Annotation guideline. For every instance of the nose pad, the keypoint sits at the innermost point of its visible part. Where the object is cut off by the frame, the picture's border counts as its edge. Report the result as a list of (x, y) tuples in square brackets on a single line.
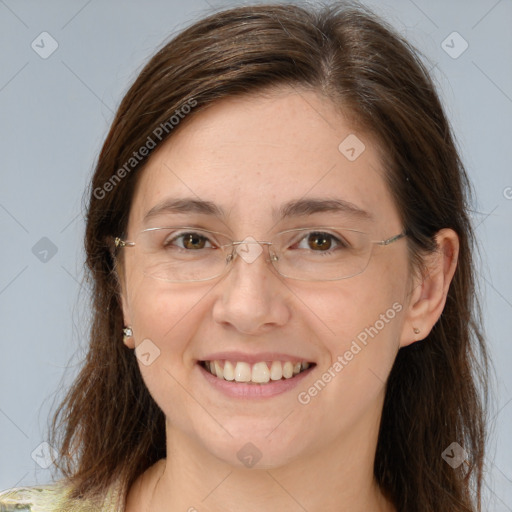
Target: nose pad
[(249, 249)]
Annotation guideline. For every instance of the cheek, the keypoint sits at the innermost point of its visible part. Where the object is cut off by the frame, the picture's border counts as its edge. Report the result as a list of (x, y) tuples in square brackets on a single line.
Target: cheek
[(360, 331), (164, 322), (165, 314), (360, 320), (343, 311)]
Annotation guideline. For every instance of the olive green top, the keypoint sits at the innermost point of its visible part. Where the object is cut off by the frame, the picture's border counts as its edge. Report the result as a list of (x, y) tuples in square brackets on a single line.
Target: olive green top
[(55, 498)]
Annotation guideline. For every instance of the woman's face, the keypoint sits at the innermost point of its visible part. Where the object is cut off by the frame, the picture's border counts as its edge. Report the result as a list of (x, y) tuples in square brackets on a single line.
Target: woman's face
[(250, 157)]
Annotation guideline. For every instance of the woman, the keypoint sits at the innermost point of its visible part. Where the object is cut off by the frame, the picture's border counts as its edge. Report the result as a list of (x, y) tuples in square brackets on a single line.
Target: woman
[(284, 311)]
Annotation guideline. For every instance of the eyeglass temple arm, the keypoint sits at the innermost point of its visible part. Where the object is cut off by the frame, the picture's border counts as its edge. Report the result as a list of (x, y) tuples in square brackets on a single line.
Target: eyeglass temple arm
[(392, 239), (118, 242)]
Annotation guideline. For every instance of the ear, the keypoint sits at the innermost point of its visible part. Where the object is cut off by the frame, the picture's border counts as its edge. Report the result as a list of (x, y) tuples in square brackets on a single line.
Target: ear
[(429, 290), (121, 284)]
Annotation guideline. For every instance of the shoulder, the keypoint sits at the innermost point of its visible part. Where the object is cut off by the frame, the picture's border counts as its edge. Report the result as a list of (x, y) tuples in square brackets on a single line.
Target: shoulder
[(45, 498)]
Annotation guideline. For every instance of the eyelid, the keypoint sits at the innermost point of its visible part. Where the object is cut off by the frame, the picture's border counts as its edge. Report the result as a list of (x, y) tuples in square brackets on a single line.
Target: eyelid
[(183, 228), (338, 240), (211, 237), (330, 230)]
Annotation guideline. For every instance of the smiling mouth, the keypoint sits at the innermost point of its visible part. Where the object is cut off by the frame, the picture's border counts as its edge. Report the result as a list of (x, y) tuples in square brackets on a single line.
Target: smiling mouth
[(258, 373)]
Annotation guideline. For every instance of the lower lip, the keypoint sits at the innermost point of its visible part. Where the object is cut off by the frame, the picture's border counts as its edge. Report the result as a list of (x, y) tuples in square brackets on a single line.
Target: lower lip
[(244, 390)]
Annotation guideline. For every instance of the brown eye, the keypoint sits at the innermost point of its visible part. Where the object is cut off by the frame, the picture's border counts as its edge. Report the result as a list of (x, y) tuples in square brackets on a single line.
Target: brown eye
[(190, 241), (193, 241), (320, 241)]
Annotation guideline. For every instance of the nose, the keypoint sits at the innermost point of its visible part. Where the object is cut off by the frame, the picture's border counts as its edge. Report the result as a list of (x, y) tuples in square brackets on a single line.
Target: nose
[(252, 297)]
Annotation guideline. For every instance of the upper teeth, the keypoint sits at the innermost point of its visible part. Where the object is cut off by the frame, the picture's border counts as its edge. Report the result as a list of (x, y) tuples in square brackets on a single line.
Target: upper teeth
[(260, 373)]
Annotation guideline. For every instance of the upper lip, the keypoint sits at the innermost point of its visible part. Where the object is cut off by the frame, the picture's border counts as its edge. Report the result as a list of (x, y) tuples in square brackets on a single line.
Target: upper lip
[(254, 358)]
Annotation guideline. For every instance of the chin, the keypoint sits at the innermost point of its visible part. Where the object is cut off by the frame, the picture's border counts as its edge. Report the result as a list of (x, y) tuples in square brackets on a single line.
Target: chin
[(255, 446)]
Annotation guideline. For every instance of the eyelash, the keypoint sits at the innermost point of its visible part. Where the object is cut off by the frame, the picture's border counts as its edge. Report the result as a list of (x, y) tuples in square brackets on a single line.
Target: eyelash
[(339, 242), (168, 243)]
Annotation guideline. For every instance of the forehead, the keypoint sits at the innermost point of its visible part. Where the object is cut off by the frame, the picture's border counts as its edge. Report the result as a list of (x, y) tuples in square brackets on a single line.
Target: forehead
[(250, 155)]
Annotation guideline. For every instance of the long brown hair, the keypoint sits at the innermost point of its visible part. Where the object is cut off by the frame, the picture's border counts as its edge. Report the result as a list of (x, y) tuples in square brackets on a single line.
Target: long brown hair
[(436, 392)]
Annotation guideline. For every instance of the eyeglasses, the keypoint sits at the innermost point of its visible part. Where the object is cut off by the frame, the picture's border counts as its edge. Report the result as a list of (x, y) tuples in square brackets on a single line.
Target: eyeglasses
[(188, 254)]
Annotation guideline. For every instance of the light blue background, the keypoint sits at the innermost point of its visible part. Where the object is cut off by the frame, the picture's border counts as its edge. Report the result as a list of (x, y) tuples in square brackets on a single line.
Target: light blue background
[(55, 113)]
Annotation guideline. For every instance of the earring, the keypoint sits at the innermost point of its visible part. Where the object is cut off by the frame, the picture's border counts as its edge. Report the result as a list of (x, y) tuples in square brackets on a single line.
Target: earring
[(127, 333), (416, 330)]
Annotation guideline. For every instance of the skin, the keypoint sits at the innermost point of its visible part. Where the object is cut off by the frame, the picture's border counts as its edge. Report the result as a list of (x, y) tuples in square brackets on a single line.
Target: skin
[(247, 155)]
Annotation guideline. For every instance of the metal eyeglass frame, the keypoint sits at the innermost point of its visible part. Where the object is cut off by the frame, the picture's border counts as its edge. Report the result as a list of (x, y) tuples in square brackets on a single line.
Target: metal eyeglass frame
[(121, 243)]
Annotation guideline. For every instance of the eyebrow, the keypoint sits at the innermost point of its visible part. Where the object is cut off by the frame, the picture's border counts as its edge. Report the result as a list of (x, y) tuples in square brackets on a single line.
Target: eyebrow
[(294, 208)]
